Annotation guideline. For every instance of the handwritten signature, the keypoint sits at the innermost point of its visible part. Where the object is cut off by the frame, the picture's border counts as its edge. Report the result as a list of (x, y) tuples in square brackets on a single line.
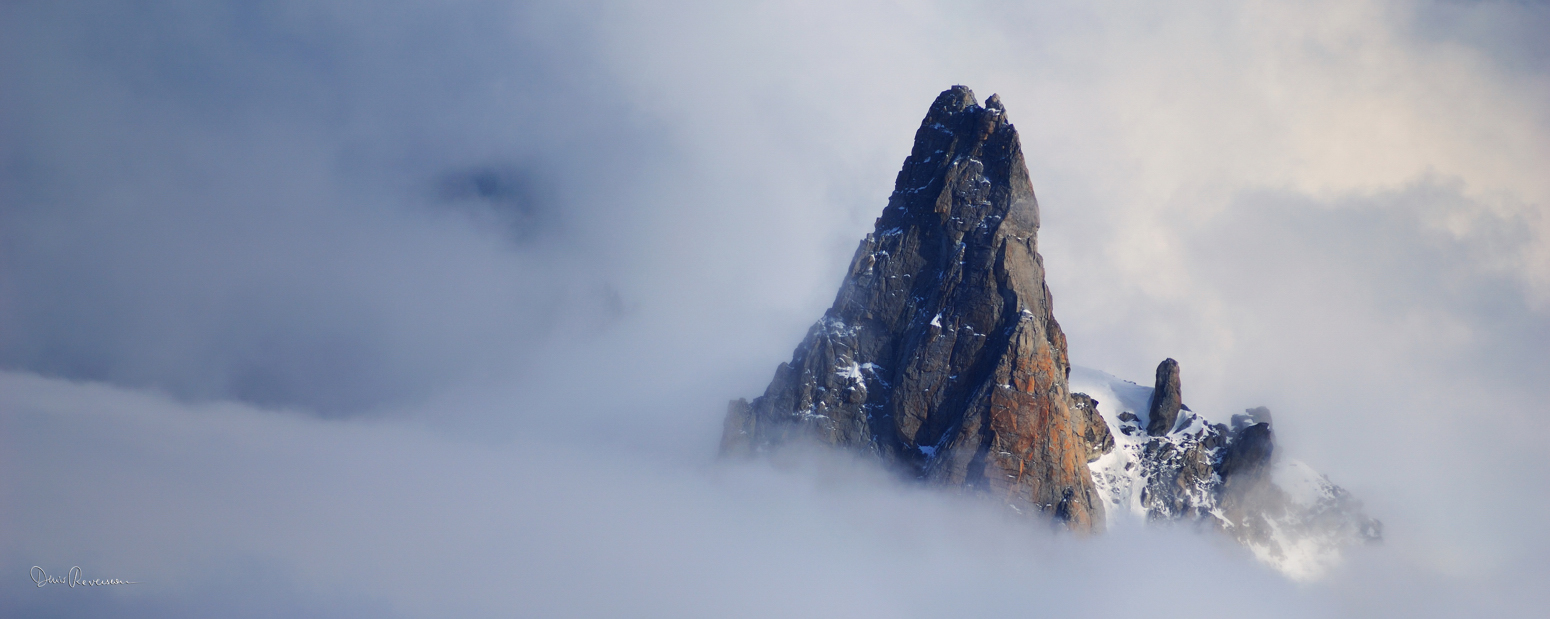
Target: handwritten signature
[(42, 577)]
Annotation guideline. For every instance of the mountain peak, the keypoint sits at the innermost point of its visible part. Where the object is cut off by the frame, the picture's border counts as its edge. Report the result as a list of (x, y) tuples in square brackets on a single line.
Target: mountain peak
[(941, 358), (953, 100), (968, 159), (941, 355)]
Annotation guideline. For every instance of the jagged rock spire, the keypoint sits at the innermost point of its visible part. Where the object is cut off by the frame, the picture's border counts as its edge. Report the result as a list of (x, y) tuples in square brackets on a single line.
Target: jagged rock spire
[(1167, 399), (941, 354)]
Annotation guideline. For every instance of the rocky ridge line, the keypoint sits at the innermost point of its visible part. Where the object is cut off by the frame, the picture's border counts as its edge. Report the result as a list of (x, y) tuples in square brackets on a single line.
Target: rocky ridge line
[(1226, 477)]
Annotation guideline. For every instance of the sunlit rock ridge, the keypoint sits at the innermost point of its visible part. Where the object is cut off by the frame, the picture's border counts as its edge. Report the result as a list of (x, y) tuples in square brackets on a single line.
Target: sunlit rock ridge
[(942, 358)]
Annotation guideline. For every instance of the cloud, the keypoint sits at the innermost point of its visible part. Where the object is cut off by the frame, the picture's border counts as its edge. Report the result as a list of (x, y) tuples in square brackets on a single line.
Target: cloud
[(345, 518), (358, 260)]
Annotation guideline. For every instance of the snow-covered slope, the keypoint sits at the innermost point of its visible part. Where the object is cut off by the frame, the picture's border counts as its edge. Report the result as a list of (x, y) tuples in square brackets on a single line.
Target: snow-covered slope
[(1224, 476)]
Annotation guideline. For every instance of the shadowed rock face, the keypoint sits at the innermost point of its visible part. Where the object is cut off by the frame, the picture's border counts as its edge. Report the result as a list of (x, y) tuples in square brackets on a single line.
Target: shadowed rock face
[(941, 354), (1167, 399)]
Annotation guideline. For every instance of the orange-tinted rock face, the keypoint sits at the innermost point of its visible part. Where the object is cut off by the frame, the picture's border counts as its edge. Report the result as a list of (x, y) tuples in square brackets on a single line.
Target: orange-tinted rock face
[(941, 353)]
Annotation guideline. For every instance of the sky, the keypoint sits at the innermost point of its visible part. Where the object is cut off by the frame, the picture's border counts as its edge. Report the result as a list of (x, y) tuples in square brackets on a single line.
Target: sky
[(388, 308)]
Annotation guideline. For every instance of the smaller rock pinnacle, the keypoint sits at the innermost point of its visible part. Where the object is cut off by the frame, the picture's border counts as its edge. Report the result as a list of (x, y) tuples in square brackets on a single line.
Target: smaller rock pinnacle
[(1166, 399)]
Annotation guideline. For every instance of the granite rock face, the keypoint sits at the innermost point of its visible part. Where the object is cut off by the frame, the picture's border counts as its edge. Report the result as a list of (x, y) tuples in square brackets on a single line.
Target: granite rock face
[(941, 355)]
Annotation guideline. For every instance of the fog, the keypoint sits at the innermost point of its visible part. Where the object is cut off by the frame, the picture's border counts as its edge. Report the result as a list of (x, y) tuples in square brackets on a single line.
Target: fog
[(390, 309)]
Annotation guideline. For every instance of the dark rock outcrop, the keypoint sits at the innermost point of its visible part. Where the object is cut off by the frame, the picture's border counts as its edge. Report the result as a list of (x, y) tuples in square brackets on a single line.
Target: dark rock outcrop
[(1166, 399), (1248, 453), (1248, 417), (941, 354), (1264, 515)]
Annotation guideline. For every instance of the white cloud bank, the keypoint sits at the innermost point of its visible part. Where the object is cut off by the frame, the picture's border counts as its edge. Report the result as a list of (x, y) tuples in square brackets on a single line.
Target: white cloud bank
[(225, 509), (518, 256)]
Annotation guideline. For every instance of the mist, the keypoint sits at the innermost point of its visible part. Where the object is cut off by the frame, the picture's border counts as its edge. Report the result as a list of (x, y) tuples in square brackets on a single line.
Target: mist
[(400, 309)]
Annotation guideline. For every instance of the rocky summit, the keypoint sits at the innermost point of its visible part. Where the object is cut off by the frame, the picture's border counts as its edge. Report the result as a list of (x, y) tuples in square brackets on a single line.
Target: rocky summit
[(941, 353), (941, 357)]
